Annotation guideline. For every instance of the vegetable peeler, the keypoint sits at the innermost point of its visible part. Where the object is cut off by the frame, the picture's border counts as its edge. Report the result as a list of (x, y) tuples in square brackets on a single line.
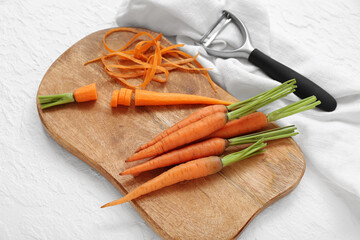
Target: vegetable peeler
[(271, 67)]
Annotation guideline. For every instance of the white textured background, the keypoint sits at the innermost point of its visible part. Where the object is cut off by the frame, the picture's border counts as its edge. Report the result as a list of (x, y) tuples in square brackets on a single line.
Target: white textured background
[(46, 193)]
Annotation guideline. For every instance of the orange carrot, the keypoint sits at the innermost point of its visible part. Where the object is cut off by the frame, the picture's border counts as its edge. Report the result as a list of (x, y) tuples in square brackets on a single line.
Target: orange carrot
[(190, 170), (209, 147), (148, 98), (196, 116), (149, 56), (83, 94), (206, 111), (86, 93), (187, 171), (249, 123), (185, 135), (258, 120), (114, 98), (194, 131)]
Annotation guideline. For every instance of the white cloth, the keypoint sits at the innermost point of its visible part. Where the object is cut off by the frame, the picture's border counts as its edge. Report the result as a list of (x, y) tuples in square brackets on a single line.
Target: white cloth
[(326, 204)]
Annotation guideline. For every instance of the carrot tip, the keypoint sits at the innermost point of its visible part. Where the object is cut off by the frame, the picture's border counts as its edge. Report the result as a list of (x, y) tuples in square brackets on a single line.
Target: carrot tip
[(130, 159)]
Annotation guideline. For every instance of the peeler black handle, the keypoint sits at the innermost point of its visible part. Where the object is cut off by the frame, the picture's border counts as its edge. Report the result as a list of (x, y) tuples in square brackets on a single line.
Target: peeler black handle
[(282, 73)]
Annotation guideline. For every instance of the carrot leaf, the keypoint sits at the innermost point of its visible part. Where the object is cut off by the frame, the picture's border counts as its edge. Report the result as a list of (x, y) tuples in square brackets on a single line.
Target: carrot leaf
[(300, 106), (47, 101), (268, 97), (253, 150), (267, 135), (284, 85)]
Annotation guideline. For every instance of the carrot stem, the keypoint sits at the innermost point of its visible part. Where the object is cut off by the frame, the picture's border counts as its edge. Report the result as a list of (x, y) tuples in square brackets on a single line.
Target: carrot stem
[(300, 106), (272, 134), (269, 97), (47, 101), (239, 104), (253, 150)]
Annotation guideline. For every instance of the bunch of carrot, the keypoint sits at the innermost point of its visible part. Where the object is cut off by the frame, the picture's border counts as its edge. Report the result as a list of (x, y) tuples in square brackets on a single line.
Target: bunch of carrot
[(214, 127), (147, 58)]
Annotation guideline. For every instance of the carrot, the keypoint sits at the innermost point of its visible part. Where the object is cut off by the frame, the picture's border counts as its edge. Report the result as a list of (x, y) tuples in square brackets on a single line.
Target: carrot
[(190, 170), (150, 57), (206, 111), (204, 127), (249, 123), (185, 135), (114, 98), (258, 120), (209, 147), (86, 93), (148, 98), (196, 116), (83, 94)]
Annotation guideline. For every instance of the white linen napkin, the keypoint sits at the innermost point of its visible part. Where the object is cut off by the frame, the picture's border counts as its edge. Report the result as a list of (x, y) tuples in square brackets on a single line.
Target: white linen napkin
[(326, 203)]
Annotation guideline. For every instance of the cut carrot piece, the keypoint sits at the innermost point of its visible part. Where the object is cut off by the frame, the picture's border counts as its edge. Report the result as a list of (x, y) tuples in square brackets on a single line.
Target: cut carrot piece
[(114, 98), (86, 93), (146, 98), (121, 96), (125, 97)]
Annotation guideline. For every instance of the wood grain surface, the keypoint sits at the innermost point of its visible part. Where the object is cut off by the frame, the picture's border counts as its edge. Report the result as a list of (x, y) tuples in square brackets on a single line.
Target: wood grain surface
[(215, 207)]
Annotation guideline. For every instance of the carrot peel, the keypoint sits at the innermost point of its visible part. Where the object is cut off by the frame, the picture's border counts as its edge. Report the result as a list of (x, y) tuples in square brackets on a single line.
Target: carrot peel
[(147, 60)]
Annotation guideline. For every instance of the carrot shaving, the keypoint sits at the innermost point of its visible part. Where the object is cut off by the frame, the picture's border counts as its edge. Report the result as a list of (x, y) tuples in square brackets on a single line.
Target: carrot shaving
[(147, 59)]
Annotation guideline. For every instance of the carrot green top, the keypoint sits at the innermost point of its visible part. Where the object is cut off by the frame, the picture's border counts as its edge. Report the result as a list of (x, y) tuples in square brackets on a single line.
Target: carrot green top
[(82, 94), (252, 104), (253, 150)]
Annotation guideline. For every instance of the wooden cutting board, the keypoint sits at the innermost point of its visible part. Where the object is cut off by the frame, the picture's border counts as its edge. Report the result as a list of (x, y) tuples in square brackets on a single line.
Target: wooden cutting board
[(215, 207)]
